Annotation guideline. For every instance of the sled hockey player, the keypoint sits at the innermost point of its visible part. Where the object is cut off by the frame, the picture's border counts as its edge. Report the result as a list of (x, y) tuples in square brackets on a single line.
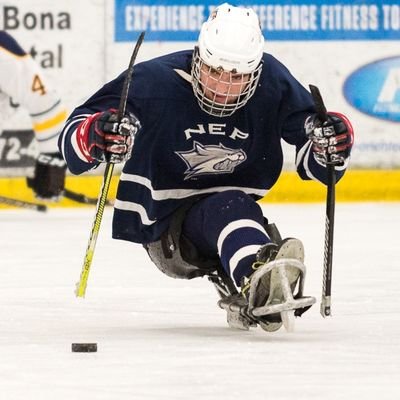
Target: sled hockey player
[(201, 143), (22, 84)]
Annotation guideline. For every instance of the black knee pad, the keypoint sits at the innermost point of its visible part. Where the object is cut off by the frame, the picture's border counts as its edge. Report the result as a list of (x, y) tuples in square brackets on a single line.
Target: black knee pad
[(175, 255)]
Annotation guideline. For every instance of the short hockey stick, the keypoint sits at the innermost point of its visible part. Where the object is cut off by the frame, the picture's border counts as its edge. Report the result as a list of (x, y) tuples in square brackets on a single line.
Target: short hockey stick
[(329, 216), (82, 284), (22, 204), (81, 198)]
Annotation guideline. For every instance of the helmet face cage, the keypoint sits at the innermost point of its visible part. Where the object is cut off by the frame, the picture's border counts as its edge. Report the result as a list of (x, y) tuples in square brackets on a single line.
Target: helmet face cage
[(220, 92)]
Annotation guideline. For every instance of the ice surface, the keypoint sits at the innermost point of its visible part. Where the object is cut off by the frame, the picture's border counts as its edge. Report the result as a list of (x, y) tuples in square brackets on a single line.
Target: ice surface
[(160, 338)]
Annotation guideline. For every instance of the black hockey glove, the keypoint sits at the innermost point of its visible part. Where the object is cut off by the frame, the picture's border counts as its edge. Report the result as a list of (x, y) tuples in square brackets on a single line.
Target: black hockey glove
[(49, 176), (332, 140), (101, 138)]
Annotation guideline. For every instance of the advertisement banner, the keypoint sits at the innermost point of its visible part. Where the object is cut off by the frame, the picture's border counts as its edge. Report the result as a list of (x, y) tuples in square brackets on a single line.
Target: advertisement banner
[(349, 49), (18, 152), (374, 89), (299, 20), (57, 37)]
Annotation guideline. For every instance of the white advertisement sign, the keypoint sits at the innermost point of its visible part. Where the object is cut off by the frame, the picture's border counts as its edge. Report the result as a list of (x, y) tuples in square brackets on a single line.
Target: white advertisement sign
[(350, 51)]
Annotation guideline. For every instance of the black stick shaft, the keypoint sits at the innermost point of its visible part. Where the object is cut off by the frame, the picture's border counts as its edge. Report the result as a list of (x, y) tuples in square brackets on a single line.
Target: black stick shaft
[(128, 79), (330, 214), (329, 232)]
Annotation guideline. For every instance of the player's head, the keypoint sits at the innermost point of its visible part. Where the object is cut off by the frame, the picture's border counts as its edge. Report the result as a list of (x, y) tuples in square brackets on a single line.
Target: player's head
[(227, 61)]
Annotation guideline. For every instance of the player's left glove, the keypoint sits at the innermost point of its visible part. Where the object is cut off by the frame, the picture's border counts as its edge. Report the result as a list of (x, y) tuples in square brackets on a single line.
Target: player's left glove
[(332, 140), (49, 176)]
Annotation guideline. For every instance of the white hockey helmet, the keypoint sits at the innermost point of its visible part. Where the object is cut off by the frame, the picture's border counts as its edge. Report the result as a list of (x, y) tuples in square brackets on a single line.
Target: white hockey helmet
[(230, 40)]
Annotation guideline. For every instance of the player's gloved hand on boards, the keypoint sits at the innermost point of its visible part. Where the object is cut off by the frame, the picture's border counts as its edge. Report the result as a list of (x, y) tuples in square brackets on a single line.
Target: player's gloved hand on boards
[(332, 140), (101, 138), (49, 176)]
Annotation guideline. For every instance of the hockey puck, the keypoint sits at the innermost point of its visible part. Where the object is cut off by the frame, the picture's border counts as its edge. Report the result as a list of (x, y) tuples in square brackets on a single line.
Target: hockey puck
[(84, 347)]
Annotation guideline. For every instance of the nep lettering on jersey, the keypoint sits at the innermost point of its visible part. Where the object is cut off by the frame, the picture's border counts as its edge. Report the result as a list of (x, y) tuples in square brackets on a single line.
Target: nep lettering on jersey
[(215, 129)]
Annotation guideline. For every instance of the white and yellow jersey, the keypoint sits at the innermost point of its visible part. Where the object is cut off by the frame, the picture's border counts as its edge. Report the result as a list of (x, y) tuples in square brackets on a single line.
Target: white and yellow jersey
[(22, 83)]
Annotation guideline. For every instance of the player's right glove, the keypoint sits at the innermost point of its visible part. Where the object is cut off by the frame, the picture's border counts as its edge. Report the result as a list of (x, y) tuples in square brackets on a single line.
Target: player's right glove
[(332, 140), (101, 138)]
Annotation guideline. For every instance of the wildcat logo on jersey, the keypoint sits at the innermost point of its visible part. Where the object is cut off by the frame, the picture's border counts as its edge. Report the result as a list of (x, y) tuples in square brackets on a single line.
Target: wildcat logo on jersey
[(210, 159)]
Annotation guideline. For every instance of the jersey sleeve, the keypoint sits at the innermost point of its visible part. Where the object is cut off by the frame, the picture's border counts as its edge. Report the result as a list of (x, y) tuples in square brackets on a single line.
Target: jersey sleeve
[(22, 80), (108, 97), (297, 105)]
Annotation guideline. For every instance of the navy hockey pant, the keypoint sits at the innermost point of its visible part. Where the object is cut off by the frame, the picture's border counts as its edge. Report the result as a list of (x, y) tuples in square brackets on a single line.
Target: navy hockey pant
[(230, 225)]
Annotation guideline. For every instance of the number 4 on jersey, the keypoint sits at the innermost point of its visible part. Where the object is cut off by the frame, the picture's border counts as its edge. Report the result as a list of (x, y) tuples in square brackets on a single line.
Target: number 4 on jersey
[(38, 86)]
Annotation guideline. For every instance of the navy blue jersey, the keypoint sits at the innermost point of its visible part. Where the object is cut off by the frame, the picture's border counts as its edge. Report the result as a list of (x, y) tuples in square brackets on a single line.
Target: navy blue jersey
[(181, 151)]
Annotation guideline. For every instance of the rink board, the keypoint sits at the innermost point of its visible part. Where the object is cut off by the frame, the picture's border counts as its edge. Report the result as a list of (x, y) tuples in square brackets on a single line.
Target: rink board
[(357, 185)]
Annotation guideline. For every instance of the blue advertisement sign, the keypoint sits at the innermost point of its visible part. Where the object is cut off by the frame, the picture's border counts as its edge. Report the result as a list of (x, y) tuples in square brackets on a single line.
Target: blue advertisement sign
[(280, 20), (374, 89)]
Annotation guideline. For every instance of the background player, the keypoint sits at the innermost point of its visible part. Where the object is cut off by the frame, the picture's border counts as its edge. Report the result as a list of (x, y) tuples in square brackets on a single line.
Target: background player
[(22, 83)]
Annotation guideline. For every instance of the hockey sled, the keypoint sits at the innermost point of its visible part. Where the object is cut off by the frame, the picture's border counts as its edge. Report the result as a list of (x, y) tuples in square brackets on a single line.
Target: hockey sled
[(280, 307), (283, 274)]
